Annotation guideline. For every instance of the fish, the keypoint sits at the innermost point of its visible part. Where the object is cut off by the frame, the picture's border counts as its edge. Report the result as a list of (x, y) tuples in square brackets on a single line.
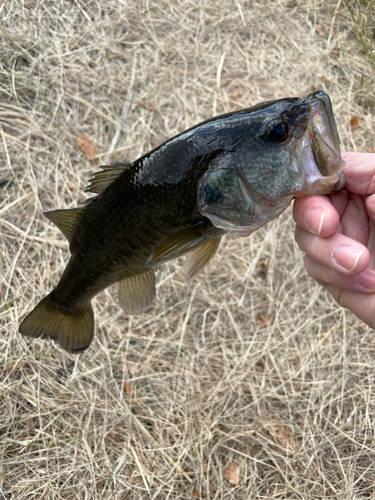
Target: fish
[(232, 173)]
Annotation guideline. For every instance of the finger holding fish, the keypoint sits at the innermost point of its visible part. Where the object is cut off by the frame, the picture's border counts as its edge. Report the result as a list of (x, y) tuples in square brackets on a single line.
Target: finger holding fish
[(337, 252), (335, 237), (362, 282), (316, 215), (348, 226)]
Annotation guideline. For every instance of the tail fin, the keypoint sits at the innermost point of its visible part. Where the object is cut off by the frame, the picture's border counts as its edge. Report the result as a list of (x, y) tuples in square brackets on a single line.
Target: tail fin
[(72, 329)]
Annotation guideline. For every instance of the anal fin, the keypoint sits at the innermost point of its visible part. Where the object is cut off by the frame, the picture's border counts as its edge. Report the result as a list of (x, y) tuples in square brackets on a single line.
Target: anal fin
[(137, 293), (198, 259)]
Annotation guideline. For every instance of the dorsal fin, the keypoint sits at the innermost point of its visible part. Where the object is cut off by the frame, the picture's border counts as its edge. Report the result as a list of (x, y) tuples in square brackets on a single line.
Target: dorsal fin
[(65, 220), (198, 259), (101, 180), (178, 244)]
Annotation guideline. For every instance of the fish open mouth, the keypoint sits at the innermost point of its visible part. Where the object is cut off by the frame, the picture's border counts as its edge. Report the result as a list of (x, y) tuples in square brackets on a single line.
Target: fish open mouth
[(320, 149)]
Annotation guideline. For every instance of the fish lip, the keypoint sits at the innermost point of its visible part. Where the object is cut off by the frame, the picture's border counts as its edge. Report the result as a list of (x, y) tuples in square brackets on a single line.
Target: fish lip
[(321, 167), (323, 136), (319, 101), (326, 157), (325, 142), (340, 184), (319, 147)]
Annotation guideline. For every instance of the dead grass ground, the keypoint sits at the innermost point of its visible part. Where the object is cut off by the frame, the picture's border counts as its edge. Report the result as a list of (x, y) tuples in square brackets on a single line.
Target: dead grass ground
[(252, 363)]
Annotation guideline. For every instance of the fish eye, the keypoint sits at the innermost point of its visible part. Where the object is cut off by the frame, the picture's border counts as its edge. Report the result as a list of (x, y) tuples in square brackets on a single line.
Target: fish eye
[(277, 131)]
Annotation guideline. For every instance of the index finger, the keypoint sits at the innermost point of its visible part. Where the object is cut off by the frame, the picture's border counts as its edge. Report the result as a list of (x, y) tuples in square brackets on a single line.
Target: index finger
[(359, 172)]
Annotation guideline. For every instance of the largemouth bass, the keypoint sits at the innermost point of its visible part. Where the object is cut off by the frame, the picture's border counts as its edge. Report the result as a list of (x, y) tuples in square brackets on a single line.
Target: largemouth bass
[(229, 174)]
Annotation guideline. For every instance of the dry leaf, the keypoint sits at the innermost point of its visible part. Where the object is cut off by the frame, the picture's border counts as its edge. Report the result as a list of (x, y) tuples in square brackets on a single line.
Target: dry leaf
[(254, 449), (151, 105), (115, 436), (325, 79), (197, 493), (232, 473), (235, 94), (87, 146), (3, 290), (335, 54), (259, 367), (354, 123), (129, 389), (371, 149), (284, 435), (319, 30), (132, 368), (263, 271), (73, 44), (264, 320)]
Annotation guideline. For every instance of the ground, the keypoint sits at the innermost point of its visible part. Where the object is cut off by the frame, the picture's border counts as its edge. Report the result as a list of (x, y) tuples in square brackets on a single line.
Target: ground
[(250, 382)]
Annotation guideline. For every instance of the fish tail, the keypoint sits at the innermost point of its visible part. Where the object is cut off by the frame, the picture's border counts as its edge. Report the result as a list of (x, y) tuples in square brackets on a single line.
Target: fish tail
[(71, 328)]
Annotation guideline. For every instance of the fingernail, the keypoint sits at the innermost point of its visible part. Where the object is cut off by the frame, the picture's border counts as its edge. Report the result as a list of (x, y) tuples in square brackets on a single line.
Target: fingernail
[(314, 219), (347, 256), (367, 280)]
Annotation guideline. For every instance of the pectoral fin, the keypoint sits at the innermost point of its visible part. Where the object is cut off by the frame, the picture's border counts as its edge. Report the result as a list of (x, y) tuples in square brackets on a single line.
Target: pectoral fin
[(178, 244), (137, 293), (198, 259)]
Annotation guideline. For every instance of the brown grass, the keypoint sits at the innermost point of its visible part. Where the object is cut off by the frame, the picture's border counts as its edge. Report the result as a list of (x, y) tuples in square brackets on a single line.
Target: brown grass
[(252, 363)]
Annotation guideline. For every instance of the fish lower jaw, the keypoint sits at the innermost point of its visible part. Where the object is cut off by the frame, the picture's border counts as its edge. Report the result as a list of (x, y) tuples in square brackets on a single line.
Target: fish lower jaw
[(319, 182), (264, 213), (322, 185)]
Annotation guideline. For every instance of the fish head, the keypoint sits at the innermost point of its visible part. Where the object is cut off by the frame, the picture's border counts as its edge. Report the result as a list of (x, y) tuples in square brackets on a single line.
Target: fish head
[(280, 150)]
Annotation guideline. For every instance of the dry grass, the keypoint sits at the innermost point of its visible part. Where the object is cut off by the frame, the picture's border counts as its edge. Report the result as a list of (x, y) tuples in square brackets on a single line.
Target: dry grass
[(252, 362)]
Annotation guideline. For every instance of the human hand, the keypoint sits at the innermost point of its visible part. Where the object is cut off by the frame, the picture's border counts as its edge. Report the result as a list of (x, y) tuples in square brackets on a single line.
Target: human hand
[(337, 233)]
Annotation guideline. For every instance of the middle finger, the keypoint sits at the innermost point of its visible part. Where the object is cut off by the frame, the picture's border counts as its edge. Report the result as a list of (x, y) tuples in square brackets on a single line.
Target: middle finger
[(338, 252)]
